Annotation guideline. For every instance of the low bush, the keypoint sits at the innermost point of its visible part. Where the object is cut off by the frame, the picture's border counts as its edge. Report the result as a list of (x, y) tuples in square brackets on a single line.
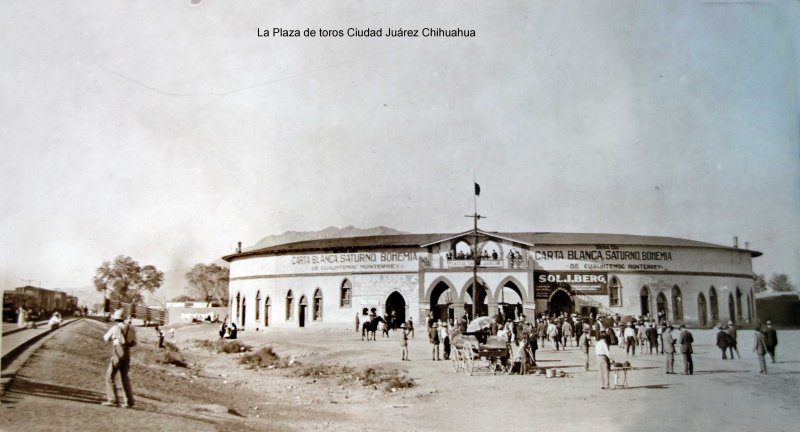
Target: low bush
[(388, 379), (223, 346), (167, 356), (265, 357)]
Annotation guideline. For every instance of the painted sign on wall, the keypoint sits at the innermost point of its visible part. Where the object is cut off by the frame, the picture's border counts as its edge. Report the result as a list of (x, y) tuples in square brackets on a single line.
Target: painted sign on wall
[(580, 282)]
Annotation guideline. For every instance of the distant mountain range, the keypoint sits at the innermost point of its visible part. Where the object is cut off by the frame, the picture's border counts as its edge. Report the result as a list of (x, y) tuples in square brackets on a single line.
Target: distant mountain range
[(329, 232)]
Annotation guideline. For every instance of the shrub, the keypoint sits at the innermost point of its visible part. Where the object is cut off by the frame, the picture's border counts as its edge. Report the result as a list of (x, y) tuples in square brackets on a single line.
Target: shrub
[(223, 346), (264, 357), (171, 357)]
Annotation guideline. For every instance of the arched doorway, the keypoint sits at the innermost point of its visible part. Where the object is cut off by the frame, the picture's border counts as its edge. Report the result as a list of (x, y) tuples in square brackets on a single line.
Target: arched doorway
[(289, 305), (257, 309), (396, 304), (441, 301), (238, 308), (482, 309), (510, 300), (316, 308), (560, 301), (739, 304), (302, 306), (267, 307), (749, 308), (677, 304), (244, 313), (712, 300), (661, 306), (731, 308), (701, 309), (644, 300)]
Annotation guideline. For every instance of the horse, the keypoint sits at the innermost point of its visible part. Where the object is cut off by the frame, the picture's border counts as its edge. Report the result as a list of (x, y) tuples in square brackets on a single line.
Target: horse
[(370, 327)]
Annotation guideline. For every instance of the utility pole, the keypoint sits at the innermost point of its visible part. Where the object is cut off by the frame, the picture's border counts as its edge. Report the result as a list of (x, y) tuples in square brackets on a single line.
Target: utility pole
[(475, 216)]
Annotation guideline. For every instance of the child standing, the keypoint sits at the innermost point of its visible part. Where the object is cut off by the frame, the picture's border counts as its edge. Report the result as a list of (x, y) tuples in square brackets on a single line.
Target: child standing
[(404, 341)]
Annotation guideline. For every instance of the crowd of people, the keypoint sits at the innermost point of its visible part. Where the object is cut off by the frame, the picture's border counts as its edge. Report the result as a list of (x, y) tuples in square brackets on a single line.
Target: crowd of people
[(634, 335)]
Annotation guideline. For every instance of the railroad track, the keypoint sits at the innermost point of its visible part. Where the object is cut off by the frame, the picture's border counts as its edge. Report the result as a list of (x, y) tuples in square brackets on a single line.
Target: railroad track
[(19, 344)]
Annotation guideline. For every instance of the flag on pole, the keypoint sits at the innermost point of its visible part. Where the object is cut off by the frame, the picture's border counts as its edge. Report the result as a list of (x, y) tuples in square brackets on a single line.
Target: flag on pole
[(477, 189)]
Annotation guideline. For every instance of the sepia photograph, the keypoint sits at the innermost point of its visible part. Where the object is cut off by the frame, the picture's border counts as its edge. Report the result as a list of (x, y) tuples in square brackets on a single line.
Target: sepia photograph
[(400, 215)]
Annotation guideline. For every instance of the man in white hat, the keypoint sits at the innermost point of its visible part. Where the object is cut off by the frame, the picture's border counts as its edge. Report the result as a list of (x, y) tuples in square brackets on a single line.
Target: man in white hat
[(122, 337)]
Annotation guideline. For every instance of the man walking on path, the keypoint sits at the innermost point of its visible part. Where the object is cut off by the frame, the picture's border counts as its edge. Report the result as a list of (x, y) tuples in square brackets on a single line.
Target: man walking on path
[(732, 340), (122, 337), (760, 348), (771, 340), (685, 339), (722, 341), (668, 345)]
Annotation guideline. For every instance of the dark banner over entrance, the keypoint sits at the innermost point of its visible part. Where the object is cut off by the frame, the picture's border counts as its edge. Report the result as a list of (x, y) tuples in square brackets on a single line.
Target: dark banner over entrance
[(589, 283)]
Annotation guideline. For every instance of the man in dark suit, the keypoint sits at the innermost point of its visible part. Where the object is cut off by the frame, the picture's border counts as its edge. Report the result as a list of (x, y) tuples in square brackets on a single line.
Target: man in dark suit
[(722, 341), (685, 339), (771, 337), (733, 340)]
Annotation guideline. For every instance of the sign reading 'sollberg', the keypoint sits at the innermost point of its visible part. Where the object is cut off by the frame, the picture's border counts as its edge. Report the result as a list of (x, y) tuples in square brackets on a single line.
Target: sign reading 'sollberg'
[(584, 283)]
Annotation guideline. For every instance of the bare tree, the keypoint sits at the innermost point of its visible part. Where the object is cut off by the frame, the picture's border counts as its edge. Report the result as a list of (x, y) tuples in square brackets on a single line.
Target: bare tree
[(780, 283), (209, 282), (125, 280)]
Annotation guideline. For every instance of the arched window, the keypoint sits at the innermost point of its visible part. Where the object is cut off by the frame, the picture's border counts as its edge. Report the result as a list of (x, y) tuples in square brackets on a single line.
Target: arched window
[(316, 308), (739, 304), (731, 308), (267, 307), (258, 304), (614, 291), (702, 314), (677, 304), (289, 305), (238, 305), (346, 294), (712, 300)]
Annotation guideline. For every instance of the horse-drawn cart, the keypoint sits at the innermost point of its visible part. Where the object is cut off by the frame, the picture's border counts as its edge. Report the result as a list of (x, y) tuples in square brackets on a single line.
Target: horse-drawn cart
[(491, 352)]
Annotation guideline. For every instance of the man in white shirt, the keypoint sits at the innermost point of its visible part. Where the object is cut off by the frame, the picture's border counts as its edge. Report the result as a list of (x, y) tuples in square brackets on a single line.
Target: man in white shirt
[(122, 337), (603, 360), (630, 339)]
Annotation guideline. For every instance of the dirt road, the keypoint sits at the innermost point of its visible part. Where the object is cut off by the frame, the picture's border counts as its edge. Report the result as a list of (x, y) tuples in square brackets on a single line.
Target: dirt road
[(61, 386)]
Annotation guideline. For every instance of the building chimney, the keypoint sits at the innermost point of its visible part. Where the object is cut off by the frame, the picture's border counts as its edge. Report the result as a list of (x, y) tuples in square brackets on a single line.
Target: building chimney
[(747, 245), (736, 241), (239, 247)]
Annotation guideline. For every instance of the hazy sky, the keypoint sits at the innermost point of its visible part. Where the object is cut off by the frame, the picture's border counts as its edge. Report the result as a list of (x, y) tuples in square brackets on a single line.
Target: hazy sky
[(168, 131)]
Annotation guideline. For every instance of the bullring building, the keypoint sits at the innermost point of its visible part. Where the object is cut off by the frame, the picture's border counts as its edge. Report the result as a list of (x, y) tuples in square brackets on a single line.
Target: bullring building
[(327, 283)]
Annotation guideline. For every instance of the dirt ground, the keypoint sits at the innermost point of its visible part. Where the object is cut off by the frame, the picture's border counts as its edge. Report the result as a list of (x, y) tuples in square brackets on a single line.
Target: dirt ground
[(61, 387)]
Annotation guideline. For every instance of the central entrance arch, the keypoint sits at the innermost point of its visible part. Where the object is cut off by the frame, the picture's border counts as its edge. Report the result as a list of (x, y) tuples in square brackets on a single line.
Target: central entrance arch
[(396, 304), (510, 300), (481, 308), (560, 301)]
